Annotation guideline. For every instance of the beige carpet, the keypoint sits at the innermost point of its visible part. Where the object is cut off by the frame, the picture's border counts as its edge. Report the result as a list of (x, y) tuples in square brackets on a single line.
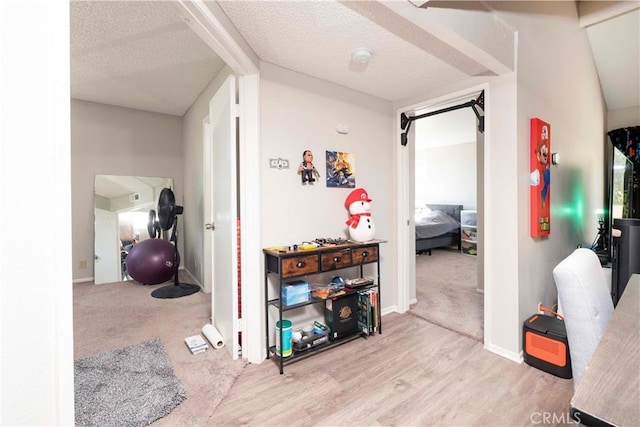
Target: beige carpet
[(119, 314), (446, 291)]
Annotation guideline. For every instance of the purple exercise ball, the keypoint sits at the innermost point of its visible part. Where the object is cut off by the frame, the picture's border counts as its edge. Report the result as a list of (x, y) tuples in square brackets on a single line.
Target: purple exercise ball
[(151, 261)]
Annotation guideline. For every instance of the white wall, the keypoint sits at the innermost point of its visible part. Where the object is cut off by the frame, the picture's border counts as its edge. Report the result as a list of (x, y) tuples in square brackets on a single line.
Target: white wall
[(447, 174), (117, 141), (194, 176), (445, 155), (36, 320), (558, 83), (299, 113)]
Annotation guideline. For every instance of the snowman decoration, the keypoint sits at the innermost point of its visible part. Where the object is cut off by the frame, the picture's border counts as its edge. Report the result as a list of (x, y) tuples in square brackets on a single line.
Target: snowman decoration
[(361, 226)]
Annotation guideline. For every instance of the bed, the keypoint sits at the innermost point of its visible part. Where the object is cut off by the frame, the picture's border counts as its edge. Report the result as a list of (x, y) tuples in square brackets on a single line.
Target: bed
[(437, 226)]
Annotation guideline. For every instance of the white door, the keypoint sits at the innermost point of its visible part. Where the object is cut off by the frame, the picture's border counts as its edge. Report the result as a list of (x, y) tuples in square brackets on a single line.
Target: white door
[(106, 266), (207, 255), (221, 201)]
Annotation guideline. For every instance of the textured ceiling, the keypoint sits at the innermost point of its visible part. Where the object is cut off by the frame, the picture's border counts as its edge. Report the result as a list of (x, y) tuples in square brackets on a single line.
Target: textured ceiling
[(141, 54), (317, 38), (137, 54)]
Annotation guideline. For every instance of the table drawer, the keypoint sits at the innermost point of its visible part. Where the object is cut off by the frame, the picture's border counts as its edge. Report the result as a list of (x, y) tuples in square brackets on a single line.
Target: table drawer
[(365, 255), (299, 265), (335, 260)]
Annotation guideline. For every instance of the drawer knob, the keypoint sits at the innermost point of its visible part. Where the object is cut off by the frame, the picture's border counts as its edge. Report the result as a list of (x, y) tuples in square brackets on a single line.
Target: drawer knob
[(301, 264), (365, 254), (337, 259)]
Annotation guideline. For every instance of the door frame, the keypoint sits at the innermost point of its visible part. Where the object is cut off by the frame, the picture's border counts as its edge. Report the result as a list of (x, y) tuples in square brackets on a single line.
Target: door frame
[(215, 29), (405, 197)]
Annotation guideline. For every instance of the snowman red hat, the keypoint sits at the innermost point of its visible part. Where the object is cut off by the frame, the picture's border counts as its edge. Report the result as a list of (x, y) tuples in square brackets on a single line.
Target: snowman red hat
[(357, 195), (361, 227)]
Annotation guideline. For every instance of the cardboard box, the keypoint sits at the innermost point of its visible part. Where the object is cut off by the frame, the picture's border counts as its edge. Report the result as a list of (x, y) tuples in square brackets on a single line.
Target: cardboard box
[(341, 316), (296, 292)]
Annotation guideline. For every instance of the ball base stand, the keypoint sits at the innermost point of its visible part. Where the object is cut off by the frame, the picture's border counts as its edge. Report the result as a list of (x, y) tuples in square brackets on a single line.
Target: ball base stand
[(175, 290)]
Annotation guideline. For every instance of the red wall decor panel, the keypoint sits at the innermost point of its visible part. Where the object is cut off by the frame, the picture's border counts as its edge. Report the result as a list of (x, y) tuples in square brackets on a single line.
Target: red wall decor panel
[(540, 178)]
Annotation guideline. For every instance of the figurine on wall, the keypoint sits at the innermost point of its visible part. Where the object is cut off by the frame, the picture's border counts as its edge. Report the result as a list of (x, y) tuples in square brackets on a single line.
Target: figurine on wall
[(361, 226), (306, 169)]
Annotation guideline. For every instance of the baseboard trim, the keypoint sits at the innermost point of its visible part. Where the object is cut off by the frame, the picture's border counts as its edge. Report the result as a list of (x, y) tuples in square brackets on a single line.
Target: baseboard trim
[(515, 357), (192, 278), (83, 279), (390, 309)]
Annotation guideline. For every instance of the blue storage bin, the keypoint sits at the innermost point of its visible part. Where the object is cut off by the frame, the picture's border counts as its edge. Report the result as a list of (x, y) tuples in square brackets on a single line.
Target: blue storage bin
[(296, 292)]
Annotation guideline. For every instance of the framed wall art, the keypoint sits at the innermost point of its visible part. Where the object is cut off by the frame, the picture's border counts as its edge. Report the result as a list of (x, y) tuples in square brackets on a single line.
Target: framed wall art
[(340, 170)]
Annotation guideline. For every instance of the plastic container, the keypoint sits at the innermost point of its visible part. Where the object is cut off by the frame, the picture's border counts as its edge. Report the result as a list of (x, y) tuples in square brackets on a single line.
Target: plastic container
[(286, 338), (321, 290), (310, 341), (295, 293), (319, 328), (307, 330)]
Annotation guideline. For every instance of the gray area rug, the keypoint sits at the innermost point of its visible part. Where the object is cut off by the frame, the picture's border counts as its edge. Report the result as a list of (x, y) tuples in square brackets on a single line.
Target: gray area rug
[(129, 386), (446, 291)]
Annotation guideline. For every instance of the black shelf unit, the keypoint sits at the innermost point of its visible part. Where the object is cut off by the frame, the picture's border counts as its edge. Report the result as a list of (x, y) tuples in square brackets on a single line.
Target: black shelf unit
[(290, 265)]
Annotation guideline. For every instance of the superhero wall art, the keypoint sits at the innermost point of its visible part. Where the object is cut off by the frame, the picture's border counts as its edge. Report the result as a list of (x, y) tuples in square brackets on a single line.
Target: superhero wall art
[(540, 178), (340, 169)]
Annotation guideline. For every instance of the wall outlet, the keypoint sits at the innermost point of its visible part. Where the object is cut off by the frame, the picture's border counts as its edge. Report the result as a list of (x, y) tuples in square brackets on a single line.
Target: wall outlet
[(82, 264), (540, 308)]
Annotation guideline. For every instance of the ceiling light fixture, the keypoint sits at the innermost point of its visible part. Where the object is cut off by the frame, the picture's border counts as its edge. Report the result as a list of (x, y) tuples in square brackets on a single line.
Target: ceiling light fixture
[(361, 55)]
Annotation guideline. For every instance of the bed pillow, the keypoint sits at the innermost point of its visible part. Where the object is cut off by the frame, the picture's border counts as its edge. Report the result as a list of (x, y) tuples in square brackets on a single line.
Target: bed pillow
[(422, 211), (437, 217)]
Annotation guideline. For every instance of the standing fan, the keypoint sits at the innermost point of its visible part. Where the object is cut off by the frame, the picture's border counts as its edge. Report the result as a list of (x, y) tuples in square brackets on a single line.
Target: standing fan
[(153, 226), (168, 219)]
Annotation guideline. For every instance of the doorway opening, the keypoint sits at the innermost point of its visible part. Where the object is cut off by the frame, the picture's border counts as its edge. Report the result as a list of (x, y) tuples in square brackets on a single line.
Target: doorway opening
[(446, 164)]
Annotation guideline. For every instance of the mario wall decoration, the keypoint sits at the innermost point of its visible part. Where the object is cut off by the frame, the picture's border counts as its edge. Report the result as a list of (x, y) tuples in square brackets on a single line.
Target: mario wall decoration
[(540, 178)]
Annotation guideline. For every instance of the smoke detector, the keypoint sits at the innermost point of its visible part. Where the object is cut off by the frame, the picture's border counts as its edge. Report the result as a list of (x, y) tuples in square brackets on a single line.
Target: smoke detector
[(361, 55)]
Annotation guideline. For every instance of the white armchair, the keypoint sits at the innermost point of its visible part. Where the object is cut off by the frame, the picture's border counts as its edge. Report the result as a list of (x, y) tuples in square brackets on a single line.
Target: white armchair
[(585, 303)]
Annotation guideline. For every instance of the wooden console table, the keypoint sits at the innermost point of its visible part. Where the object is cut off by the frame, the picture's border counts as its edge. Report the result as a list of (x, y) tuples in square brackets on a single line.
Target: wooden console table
[(286, 265)]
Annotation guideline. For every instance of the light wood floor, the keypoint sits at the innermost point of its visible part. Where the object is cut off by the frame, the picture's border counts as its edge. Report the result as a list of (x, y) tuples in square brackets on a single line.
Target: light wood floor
[(415, 373)]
